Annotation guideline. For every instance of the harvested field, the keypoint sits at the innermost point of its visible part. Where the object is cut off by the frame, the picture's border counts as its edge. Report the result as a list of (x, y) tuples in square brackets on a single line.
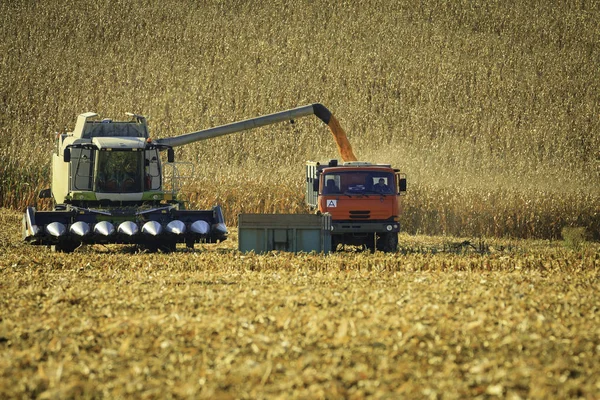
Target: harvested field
[(446, 319)]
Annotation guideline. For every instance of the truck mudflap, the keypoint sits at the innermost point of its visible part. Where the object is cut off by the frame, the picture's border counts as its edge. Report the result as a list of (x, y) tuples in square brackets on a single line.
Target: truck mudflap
[(338, 227), (73, 226)]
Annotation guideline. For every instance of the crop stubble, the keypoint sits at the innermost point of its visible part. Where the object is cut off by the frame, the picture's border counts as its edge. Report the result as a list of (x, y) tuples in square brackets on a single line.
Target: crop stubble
[(518, 321)]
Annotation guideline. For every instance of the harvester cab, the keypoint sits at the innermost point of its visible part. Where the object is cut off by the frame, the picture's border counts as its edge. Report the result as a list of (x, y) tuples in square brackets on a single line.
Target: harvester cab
[(108, 162), (108, 185)]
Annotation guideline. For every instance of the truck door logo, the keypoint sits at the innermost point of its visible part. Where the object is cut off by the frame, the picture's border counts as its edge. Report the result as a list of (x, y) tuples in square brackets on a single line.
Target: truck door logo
[(331, 203)]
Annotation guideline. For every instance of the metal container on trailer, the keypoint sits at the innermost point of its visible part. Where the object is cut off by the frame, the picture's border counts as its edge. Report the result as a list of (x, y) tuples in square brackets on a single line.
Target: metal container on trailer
[(261, 233)]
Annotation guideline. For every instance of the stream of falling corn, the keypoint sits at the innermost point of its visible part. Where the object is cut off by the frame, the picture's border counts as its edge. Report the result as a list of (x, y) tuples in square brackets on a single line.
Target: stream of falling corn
[(341, 140)]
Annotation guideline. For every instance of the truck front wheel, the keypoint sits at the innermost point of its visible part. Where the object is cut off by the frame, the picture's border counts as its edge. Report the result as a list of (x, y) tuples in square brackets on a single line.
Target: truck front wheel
[(387, 242)]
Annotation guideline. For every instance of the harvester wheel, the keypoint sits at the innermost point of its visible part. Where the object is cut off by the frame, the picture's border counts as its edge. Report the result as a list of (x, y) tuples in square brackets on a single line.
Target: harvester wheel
[(335, 243), (166, 247), (67, 247)]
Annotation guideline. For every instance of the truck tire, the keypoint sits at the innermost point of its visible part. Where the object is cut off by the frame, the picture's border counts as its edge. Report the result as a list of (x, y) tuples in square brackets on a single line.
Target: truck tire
[(335, 243), (369, 242), (387, 242)]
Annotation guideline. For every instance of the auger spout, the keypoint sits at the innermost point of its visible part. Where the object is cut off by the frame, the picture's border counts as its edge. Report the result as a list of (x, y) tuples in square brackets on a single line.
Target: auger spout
[(316, 109)]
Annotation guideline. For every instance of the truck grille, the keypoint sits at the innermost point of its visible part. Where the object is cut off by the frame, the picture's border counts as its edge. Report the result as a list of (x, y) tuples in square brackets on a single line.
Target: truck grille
[(359, 214)]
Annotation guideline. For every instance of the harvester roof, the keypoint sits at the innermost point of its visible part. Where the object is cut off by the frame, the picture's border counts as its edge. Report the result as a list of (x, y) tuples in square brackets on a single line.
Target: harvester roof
[(88, 126)]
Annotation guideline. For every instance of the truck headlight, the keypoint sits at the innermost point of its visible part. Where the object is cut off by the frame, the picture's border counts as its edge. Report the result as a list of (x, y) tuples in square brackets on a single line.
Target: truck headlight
[(389, 228)]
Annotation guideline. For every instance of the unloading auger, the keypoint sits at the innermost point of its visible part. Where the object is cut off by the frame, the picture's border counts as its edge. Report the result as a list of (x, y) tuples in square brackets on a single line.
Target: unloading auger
[(108, 185)]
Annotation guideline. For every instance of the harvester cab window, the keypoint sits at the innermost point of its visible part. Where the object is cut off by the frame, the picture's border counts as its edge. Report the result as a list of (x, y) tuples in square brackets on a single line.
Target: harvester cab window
[(114, 129), (119, 172), (152, 170)]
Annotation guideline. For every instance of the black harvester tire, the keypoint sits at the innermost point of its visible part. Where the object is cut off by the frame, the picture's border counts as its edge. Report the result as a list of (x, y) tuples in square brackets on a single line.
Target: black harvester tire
[(164, 247), (66, 247)]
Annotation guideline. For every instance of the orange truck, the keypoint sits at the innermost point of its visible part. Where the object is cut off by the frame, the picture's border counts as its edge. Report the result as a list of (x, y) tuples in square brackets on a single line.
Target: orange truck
[(364, 201)]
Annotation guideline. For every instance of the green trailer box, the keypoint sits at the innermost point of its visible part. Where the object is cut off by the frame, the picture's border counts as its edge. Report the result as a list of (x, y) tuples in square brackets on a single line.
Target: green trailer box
[(261, 233)]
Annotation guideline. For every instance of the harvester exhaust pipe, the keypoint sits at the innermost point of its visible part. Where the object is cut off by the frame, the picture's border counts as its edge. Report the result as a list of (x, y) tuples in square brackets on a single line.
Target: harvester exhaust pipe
[(317, 109)]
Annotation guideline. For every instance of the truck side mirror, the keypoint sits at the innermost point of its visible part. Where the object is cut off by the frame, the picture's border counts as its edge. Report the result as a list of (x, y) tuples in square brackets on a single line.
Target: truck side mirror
[(67, 155), (170, 155), (316, 185), (402, 186)]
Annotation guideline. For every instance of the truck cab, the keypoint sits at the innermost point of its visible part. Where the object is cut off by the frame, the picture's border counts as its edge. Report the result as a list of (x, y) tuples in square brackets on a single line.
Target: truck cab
[(364, 201)]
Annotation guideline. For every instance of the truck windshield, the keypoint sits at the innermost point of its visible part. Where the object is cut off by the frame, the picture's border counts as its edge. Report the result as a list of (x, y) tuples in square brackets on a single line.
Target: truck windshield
[(119, 171), (359, 182)]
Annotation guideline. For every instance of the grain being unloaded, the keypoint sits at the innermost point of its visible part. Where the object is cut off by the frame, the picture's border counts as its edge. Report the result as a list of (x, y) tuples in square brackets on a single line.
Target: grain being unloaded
[(341, 140)]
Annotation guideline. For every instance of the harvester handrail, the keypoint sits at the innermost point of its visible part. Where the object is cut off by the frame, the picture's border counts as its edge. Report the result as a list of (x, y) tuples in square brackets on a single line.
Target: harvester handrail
[(175, 175)]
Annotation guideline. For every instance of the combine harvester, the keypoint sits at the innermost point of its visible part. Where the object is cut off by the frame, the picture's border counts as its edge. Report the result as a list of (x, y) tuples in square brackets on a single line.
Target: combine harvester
[(108, 185)]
